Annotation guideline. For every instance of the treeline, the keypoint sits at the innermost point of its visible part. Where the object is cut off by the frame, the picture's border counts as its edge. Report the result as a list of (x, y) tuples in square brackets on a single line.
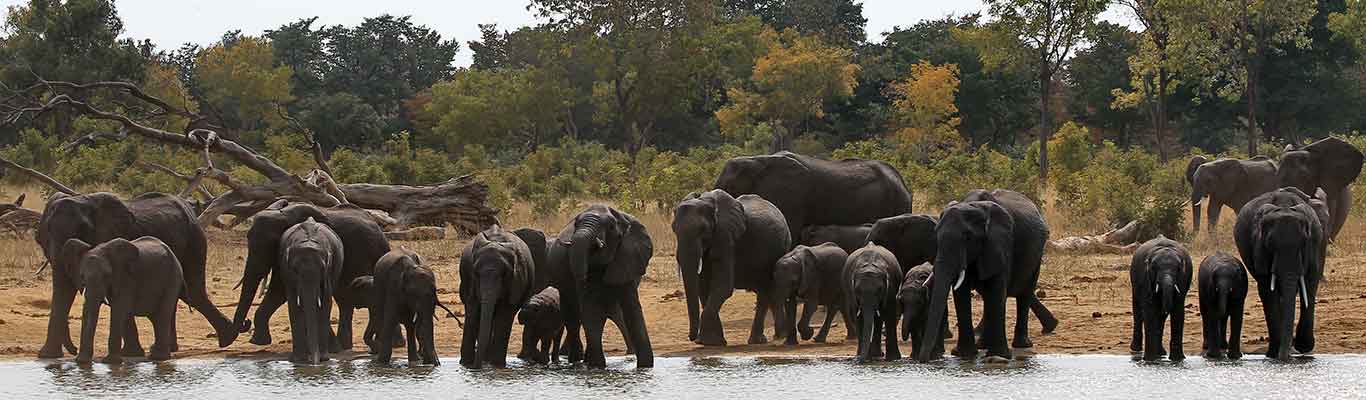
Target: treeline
[(658, 91)]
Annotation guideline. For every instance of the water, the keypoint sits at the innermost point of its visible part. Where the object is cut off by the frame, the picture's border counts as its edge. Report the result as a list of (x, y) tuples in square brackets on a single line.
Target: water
[(748, 378)]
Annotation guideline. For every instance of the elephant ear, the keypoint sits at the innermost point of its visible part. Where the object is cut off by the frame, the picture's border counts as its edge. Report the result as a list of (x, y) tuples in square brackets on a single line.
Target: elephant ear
[(70, 254), (919, 233), (524, 269), (363, 284), (1193, 165), (1000, 243), (466, 289), (1337, 162), (1186, 272), (633, 250), (809, 274), (124, 256), (730, 218), (1261, 262), (1314, 231), (112, 217)]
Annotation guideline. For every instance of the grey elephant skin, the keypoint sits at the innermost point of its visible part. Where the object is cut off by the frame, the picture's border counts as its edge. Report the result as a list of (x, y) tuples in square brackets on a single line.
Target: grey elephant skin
[(497, 276), (596, 262), (914, 297), (404, 294), (848, 237), (812, 191), (1283, 245), (542, 327), (871, 279), (724, 244), (909, 236), (536, 240), (1330, 164), (363, 241), (101, 217), (991, 242), (1222, 280), (1160, 276), (1227, 182), (311, 258), (140, 277), (811, 273)]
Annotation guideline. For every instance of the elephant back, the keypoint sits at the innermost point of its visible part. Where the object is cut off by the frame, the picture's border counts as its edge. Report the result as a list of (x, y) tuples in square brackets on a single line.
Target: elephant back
[(536, 243)]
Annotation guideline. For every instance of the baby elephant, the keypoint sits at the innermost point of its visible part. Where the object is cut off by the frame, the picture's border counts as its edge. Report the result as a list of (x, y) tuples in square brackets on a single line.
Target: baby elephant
[(914, 297), (542, 327), (1160, 274), (810, 273), (1223, 288), (848, 237), (139, 277), (871, 276), (310, 264), (404, 293)]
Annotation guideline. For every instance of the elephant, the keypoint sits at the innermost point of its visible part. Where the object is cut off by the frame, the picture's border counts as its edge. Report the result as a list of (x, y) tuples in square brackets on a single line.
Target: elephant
[(1160, 276), (909, 236), (311, 260), (403, 293), (991, 242), (101, 217), (497, 276), (1282, 244), (536, 240), (596, 262), (812, 191), (871, 279), (848, 237), (542, 327), (141, 277), (914, 298), (1222, 281), (363, 244), (1331, 164), (727, 243), (809, 272), (1227, 182)]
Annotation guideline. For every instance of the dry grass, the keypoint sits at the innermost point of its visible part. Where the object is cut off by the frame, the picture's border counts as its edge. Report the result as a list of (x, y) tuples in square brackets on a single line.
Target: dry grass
[(1089, 294)]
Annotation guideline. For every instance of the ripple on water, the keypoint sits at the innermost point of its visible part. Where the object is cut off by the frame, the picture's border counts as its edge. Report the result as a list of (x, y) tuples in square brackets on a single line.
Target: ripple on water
[(747, 378)]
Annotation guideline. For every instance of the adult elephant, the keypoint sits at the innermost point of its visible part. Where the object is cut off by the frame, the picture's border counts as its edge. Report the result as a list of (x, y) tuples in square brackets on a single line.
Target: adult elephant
[(1227, 182), (101, 217), (992, 242), (596, 262), (812, 191), (1331, 164), (1282, 244), (725, 243), (497, 276), (363, 244)]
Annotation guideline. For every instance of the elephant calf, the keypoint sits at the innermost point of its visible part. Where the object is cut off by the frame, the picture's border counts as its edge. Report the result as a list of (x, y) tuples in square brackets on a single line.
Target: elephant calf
[(310, 264), (871, 276), (1223, 289), (497, 276), (914, 297), (141, 277), (848, 237), (542, 327), (810, 273), (1160, 274), (403, 293)]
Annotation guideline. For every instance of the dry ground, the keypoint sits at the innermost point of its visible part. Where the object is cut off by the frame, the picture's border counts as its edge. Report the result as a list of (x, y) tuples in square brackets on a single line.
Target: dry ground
[(1088, 293)]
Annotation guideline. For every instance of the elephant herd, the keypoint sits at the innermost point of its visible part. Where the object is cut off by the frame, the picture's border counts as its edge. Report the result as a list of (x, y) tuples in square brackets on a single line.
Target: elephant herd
[(797, 231)]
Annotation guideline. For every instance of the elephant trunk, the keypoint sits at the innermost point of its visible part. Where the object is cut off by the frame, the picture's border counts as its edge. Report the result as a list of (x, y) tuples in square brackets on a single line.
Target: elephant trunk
[(315, 329), (90, 318), (1221, 306), (689, 259), (1285, 321), (1197, 196), (867, 311), (483, 347), (949, 262), (906, 316), (784, 315), (1169, 294), (583, 240)]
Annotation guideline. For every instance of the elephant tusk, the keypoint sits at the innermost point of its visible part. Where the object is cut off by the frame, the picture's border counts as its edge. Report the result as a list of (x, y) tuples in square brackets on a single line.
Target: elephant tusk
[(1304, 291), (1273, 283), (961, 276), (1156, 288), (41, 267)]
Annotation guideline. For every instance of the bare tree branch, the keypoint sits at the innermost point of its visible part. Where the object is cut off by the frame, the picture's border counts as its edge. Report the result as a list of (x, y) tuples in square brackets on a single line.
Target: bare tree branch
[(38, 176)]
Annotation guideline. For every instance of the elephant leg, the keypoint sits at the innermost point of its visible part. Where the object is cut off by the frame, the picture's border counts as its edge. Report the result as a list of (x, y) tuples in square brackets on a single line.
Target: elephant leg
[(830, 312), (1021, 340), (572, 345), (1235, 328), (962, 305), (1176, 351), (410, 329), (345, 313), (1214, 209), (994, 319), (1304, 332), (197, 297), (387, 327), (594, 318), (555, 345), (850, 329), (1152, 331), (58, 331), (530, 343), (163, 328), (502, 328), (804, 323), (260, 334), (635, 322), (711, 333), (132, 344), (1269, 306), (118, 320), (1046, 318), (875, 341), (616, 317), (1210, 345), (761, 307), (889, 326), (1136, 343)]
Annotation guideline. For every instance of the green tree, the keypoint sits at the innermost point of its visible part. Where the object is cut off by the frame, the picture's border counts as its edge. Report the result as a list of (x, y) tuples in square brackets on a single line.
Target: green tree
[(791, 83), (1154, 67), (386, 60), (242, 85), (502, 109), (1350, 24), (838, 22), (1093, 77), (1040, 34), (300, 47), (340, 119)]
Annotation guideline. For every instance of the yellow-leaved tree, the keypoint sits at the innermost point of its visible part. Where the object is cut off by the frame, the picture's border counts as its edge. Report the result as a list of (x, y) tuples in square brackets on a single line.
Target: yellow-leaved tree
[(924, 114)]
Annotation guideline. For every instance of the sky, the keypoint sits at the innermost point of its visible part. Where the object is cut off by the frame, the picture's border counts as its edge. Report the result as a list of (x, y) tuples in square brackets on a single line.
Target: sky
[(172, 23)]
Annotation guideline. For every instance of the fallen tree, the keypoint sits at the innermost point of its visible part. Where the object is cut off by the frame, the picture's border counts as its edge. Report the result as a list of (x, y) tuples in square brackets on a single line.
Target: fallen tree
[(1117, 241), (17, 220), (460, 202)]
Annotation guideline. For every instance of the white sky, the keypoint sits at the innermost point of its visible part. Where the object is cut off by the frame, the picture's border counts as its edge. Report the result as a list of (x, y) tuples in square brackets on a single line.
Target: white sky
[(171, 23)]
